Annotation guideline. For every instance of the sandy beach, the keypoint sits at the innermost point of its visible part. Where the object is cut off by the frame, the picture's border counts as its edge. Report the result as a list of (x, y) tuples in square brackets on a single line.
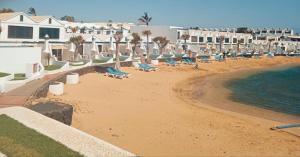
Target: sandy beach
[(153, 114)]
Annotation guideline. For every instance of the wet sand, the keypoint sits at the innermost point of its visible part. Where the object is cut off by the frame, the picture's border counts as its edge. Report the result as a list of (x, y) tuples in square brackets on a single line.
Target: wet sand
[(152, 114)]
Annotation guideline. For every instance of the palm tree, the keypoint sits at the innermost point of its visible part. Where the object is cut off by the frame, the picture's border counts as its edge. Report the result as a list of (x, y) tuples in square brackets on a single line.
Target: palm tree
[(147, 33), (222, 38), (77, 41), (270, 43), (146, 19), (74, 29), (68, 18), (31, 11), (135, 42), (118, 37), (185, 37), (162, 42), (240, 41), (6, 10)]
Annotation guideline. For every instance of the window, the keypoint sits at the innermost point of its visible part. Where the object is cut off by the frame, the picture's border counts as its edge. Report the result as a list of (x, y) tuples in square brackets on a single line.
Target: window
[(21, 18), (234, 40), (242, 40), (272, 31), (250, 41), (107, 32), (226, 40), (209, 39), (194, 39), (52, 32), (82, 30), (261, 38), (217, 40), (201, 39), (98, 32), (20, 32), (50, 21), (264, 31), (178, 35), (279, 32)]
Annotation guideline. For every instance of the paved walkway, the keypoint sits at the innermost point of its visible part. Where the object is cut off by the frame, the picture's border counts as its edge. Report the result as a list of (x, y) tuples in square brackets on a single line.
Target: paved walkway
[(19, 96), (72, 138), (2, 155)]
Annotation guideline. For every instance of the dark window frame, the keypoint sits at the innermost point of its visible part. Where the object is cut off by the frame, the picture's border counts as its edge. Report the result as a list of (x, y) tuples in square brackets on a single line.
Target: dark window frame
[(209, 39), (53, 33), (201, 39), (19, 32)]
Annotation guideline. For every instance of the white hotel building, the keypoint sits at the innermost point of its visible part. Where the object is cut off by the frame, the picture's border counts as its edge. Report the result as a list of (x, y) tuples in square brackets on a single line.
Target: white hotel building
[(19, 32)]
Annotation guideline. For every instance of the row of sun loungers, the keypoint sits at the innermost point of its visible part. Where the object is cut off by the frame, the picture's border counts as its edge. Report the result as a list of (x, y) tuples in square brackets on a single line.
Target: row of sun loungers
[(112, 72)]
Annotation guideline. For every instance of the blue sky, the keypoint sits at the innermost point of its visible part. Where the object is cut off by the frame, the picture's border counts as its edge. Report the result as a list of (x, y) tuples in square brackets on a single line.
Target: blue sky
[(202, 13)]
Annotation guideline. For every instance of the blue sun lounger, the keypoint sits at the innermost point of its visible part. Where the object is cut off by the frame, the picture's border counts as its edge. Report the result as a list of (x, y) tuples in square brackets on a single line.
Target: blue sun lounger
[(146, 67), (219, 58), (187, 61), (171, 62), (113, 73), (118, 71)]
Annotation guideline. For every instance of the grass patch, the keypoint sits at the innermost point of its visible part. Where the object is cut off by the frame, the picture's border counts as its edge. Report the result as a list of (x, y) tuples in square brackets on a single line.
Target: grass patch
[(102, 60), (4, 74), (16, 140), (19, 76), (52, 67)]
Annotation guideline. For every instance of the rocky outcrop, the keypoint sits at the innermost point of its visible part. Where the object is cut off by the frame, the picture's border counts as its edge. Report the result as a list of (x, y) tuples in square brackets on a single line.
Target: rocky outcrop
[(55, 110)]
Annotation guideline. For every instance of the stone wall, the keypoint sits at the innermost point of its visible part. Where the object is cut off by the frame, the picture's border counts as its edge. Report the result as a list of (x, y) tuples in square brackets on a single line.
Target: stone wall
[(55, 110)]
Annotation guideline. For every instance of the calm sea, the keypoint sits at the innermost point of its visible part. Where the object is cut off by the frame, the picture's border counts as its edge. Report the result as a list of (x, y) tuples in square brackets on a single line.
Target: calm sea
[(273, 90)]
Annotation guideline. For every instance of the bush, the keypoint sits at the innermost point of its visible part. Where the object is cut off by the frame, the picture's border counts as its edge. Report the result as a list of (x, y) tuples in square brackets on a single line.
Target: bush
[(52, 67), (4, 74)]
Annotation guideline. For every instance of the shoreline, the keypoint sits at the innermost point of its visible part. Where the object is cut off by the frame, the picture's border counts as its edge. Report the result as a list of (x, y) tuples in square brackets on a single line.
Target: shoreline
[(144, 115), (213, 93)]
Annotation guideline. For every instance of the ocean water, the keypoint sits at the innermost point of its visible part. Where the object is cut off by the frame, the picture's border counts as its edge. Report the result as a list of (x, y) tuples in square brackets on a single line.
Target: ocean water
[(277, 90)]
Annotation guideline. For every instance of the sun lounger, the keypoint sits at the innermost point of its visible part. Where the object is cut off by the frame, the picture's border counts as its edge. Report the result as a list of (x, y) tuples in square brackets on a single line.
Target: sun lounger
[(204, 59), (171, 62), (112, 73), (146, 67), (151, 67), (270, 55), (187, 61), (120, 72), (219, 58)]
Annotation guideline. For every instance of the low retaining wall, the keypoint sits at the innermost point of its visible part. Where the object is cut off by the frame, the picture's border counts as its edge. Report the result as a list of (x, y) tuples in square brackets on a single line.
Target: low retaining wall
[(55, 110)]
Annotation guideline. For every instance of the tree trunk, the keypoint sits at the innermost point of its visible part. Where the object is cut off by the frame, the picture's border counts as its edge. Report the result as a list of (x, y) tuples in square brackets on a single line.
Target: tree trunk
[(148, 53), (117, 66), (185, 46), (75, 54), (133, 52)]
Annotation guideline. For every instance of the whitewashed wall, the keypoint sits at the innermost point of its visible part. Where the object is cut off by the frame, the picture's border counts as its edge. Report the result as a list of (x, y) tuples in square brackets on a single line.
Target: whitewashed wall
[(156, 31), (16, 59)]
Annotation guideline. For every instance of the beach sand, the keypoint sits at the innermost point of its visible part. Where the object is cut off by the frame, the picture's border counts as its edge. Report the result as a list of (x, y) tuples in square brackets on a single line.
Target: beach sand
[(152, 114)]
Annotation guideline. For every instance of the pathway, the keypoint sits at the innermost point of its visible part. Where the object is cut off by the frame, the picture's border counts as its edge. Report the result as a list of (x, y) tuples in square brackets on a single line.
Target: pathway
[(19, 96)]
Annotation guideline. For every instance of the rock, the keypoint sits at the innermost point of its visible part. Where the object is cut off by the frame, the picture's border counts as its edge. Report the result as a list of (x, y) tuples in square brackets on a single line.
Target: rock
[(55, 110)]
